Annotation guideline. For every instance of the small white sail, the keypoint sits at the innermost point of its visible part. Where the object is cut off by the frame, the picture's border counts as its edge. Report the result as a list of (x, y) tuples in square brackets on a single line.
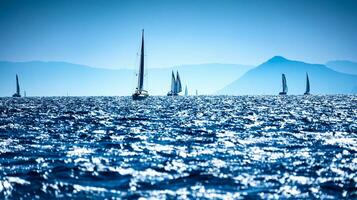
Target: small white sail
[(178, 83), (173, 83), (307, 92), (285, 86)]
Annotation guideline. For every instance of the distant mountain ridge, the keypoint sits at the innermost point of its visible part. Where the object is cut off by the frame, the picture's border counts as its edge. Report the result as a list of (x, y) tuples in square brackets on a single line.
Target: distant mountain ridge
[(40, 78), (61, 78), (266, 79), (343, 66)]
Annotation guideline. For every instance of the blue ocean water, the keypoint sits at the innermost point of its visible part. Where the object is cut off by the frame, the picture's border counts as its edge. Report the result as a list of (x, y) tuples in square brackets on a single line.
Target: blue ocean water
[(219, 147)]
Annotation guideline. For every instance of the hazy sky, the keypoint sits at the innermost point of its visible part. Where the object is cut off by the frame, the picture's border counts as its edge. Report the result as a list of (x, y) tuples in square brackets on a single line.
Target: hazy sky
[(107, 33)]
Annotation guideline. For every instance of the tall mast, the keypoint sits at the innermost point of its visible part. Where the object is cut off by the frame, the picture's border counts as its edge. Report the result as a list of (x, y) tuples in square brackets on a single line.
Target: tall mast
[(17, 85), (141, 69)]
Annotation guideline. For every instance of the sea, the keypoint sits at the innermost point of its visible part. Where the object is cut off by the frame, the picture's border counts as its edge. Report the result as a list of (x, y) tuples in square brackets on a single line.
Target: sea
[(195, 147)]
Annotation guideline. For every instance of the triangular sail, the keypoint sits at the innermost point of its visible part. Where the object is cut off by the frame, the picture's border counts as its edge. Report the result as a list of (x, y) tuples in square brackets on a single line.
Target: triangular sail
[(140, 93), (141, 69), (178, 83), (173, 83), (285, 86), (307, 84), (17, 85)]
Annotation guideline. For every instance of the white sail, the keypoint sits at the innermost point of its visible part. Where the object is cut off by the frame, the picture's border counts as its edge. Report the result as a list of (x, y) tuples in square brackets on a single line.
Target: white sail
[(173, 83), (307, 84), (285, 86), (178, 84), (186, 91)]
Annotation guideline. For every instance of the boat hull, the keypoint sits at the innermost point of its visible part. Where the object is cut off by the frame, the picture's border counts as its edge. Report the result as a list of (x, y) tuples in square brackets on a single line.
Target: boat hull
[(307, 93), (16, 95), (140, 95), (172, 94), (283, 93)]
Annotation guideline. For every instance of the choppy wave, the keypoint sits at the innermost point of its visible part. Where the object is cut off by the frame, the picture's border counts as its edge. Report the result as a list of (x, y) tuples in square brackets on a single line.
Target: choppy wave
[(185, 147)]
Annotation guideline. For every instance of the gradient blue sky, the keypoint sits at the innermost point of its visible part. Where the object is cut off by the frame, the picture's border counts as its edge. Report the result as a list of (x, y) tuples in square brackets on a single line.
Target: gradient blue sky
[(107, 33)]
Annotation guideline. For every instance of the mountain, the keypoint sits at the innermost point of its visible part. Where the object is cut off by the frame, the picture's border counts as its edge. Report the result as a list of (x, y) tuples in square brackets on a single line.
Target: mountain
[(39, 78), (343, 66), (266, 79)]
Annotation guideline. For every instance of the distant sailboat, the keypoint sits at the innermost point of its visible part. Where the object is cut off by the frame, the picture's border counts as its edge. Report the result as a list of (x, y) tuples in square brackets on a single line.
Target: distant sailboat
[(17, 94), (140, 93), (178, 83), (176, 86), (196, 92), (285, 86), (307, 92), (186, 91)]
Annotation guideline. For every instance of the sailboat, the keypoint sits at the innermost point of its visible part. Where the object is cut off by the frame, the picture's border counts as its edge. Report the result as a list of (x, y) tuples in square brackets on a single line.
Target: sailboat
[(307, 92), (17, 94), (140, 93), (285, 86), (173, 85), (176, 86), (186, 91)]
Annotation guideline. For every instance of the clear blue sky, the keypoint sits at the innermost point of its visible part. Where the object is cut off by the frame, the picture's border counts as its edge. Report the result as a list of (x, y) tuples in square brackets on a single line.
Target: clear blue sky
[(107, 33)]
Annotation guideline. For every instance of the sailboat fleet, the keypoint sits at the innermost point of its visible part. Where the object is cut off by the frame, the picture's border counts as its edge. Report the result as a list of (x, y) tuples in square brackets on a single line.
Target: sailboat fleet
[(285, 85), (176, 87)]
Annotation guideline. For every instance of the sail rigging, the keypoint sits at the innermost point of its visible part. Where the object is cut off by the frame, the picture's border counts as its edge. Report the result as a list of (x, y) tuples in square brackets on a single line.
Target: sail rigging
[(141, 68), (140, 93)]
